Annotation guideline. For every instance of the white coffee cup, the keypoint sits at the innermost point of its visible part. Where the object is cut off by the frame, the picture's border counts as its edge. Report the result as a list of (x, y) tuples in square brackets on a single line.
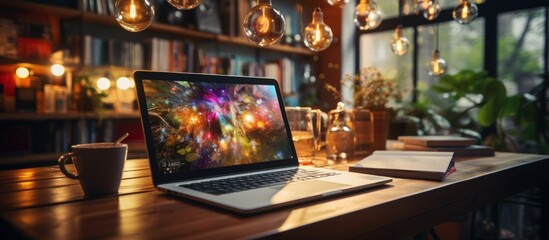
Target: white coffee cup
[(99, 166)]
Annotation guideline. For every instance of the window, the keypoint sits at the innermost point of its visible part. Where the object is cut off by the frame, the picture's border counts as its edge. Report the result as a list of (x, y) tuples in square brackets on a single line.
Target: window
[(376, 52), (521, 42), (461, 46), (514, 51)]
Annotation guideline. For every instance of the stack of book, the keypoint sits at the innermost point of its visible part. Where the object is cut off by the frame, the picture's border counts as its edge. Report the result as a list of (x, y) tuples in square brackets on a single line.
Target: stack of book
[(460, 146)]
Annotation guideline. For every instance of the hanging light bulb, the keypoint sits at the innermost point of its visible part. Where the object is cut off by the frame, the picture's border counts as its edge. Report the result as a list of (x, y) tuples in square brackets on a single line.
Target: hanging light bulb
[(437, 66), (465, 12), (368, 15), (433, 9), (338, 3), (318, 35), (400, 44), (134, 15), (264, 25), (184, 4)]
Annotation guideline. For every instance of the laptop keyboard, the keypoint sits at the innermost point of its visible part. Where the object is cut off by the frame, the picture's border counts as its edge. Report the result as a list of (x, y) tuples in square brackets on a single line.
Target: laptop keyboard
[(248, 182)]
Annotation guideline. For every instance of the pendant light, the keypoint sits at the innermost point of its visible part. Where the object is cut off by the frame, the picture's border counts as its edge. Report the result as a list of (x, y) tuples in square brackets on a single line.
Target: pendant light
[(400, 44), (184, 4), (368, 15), (264, 25), (134, 15), (432, 9), (465, 12), (338, 3), (437, 66), (318, 35)]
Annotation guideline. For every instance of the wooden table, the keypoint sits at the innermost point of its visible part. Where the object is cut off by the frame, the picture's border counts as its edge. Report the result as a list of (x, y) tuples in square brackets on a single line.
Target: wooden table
[(41, 203)]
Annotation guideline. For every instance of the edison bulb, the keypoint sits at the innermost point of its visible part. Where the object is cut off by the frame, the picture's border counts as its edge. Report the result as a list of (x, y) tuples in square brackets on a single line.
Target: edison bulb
[(465, 12), (318, 35), (437, 66), (22, 72), (338, 3), (433, 10), (400, 44), (184, 4), (103, 83), (368, 15), (421, 5), (264, 25), (134, 15)]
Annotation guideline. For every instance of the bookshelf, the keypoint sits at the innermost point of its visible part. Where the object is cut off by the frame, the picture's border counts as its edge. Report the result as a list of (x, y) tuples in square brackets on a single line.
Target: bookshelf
[(79, 126)]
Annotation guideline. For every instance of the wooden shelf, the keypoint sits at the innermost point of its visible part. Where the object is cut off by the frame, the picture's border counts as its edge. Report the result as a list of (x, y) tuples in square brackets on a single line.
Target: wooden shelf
[(156, 27), (279, 48), (28, 116), (41, 8)]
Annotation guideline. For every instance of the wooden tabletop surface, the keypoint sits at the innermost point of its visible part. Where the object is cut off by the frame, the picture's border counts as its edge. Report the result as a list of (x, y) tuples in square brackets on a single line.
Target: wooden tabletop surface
[(41, 203)]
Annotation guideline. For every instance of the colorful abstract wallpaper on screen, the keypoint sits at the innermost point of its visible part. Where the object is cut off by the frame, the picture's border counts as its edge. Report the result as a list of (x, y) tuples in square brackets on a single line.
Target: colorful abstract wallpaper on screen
[(207, 125)]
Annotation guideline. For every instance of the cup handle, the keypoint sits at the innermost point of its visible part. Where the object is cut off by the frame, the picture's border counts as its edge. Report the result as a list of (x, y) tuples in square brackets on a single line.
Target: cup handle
[(62, 160)]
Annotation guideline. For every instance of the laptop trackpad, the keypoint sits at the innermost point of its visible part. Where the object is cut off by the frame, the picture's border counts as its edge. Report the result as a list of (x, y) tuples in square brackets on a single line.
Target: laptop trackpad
[(312, 187)]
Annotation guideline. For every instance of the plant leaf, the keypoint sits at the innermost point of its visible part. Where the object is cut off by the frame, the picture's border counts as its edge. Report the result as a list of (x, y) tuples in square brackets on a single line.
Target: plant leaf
[(491, 109)]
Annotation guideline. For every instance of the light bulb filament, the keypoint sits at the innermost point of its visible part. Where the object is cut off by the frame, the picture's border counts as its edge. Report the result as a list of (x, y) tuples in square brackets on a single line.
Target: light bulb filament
[(436, 67), (318, 34), (262, 24), (133, 11), (399, 45), (431, 10), (465, 11)]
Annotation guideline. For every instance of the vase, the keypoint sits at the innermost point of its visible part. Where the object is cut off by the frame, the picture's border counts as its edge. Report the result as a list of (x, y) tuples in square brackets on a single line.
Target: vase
[(364, 131), (381, 129)]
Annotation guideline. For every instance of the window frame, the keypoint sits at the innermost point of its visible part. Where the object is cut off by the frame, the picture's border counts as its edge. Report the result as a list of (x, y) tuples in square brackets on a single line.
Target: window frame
[(489, 10)]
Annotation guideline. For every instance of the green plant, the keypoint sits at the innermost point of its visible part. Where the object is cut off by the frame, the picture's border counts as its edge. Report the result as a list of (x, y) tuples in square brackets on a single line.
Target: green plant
[(472, 102), (93, 94), (372, 91)]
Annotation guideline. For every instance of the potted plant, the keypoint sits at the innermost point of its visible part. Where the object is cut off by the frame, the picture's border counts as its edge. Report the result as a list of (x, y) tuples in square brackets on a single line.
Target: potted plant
[(373, 95)]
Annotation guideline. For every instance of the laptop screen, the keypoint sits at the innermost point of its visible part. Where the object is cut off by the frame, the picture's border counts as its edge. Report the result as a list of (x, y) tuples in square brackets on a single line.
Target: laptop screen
[(196, 125)]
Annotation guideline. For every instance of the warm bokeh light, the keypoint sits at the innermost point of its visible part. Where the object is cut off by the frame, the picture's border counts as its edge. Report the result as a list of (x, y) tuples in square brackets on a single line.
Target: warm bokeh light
[(123, 83), (132, 82), (103, 83), (57, 70), (22, 72)]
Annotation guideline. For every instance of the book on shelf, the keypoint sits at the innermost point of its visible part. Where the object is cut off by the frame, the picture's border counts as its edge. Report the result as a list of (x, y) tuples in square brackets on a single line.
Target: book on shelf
[(228, 15), (99, 51), (102, 7), (407, 164), (282, 70), (438, 140), (8, 38), (459, 151), (33, 39), (172, 55)]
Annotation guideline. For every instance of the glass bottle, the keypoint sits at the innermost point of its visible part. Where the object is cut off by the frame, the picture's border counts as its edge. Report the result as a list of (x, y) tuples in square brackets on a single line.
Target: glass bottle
[(340, 135)]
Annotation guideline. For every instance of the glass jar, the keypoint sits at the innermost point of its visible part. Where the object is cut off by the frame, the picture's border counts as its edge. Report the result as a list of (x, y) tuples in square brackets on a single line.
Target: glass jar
[(340, 134)]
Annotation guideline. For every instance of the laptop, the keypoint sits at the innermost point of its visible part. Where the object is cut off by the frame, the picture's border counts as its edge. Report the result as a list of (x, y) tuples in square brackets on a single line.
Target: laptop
[(225, 141)]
